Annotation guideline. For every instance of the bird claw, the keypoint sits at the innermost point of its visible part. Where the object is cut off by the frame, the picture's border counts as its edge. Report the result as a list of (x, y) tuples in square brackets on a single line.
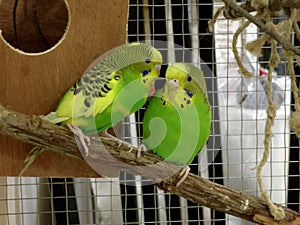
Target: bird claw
[(84, 140), (142, 148), (108, 136), (183, 175)]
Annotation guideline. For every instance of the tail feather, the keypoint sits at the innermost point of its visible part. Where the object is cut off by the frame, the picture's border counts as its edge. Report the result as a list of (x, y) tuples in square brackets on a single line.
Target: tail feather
[(52, 118)]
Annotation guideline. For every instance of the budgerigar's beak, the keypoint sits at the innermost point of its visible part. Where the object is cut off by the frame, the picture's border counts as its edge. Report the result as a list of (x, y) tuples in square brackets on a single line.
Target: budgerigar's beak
[(173, 82), (171, 87), (157, 67)]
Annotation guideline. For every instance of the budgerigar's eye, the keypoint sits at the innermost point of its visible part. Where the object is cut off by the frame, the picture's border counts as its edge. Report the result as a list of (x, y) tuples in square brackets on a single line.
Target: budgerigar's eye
[(189, 79), (147, 61)]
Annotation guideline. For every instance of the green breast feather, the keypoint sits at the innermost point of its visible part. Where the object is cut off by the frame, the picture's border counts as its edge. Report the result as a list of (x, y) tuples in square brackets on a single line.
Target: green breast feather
[(103, 95), (177, 121)]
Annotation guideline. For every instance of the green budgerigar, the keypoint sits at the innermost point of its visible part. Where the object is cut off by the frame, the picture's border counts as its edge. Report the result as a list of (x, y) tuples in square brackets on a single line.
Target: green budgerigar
[(114, 86), (177, 121), (128, 71), (111, 89)]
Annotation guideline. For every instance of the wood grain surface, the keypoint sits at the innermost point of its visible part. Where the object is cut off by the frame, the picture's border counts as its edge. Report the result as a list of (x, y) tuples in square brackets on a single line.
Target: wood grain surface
[(33, 83)]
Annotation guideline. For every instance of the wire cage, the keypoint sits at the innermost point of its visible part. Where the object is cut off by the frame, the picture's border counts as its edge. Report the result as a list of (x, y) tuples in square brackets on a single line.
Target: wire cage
[(233, 151)]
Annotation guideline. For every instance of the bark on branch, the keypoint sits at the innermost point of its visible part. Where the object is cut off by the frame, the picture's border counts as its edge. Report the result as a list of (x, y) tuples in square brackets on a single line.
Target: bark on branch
[(32, 129)]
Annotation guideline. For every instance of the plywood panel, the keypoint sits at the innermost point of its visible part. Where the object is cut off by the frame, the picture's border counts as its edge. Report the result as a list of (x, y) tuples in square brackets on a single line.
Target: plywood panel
[(33, 84)]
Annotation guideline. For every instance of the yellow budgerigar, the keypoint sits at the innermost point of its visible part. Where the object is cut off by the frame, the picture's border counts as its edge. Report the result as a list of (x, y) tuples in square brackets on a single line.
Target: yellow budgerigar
[(113, 87)]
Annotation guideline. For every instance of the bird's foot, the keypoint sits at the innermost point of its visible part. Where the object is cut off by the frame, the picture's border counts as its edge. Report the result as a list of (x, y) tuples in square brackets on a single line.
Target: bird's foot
[(142, 148), (183, 174), (31, 157), (108, 136), (84, 140)]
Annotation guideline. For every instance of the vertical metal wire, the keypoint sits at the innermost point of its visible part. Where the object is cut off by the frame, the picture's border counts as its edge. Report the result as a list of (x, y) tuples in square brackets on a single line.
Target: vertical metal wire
[(171, 60), (138, 179), (193, 15), (170, 32), (147, 28), (195, 46)]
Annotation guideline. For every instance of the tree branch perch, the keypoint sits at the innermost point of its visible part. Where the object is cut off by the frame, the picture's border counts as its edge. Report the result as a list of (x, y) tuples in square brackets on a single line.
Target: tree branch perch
[(32, 129)]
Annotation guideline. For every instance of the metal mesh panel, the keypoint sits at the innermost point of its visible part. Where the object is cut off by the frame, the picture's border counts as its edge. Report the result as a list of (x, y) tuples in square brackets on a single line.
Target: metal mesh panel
[(232, 152)]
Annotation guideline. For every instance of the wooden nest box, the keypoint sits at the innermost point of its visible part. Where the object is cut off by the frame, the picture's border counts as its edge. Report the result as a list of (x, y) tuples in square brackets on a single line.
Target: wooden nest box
[(45, 46)]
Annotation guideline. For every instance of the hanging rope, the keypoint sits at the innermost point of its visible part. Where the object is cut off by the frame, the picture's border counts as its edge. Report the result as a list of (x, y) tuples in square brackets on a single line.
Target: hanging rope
[(277, 212), (280, 31)]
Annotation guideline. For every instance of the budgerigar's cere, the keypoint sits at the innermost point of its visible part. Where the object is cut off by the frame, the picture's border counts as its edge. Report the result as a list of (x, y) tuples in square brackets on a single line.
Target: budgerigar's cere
[(177, 121), (113, 87)]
